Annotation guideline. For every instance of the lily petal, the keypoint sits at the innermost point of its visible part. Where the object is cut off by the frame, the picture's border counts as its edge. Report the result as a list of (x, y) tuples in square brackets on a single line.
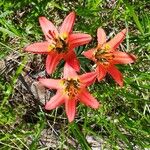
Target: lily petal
[(116, 74), (72, 60), (101, 72), (50, 83), (70, 106), (115, 42), (55, 101), (88, 78), (123, 58), (101, 36), (87, 99), (52, 61), (69, 72), (89, 54), (47, 28), (78, 39), (68, 23), (39, 48)]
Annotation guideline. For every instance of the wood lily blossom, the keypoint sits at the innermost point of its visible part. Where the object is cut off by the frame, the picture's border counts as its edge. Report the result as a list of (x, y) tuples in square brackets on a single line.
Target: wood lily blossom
[(106, 56), (71, 89), (59, 43)]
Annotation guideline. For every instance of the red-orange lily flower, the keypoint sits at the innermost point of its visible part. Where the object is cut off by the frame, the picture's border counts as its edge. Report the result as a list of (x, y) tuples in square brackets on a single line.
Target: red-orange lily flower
[(71, 89), (59, 43), (106, 56)]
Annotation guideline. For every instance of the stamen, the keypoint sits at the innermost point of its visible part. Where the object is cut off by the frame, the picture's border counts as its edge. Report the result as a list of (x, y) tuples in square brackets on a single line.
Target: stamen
[(51, 47), (71, 87), (64, 36), (48, 36), (60, 44), (52, 34), (103, 55), (107, 47)]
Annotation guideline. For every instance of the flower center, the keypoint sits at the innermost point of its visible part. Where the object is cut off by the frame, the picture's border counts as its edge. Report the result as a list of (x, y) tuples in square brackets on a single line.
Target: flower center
[(60, 43), (71, 87), (103, 55)]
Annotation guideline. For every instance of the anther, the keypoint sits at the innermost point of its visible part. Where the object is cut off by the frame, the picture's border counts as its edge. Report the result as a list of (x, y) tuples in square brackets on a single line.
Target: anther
[(52, 34)]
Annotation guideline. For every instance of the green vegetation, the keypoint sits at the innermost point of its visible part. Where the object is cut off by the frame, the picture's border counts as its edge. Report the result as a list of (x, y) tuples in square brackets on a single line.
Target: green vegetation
[(123, 120)]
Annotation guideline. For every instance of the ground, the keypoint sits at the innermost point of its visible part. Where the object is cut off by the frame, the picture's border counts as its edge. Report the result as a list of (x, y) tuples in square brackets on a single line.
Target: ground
[(123, 120)]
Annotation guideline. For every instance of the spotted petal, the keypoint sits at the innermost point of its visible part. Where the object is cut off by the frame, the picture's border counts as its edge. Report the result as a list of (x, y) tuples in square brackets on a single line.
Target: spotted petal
[(68, 23), (101, 36), (123, 58), (47, 28), (78, 39), (116, 74), (89, 54), (101, 72), (39, 48), (50, 83), (115, 42), (70, 106), (69, 72), (87, 99), (72, 60), (88, 78), (55, 101), (52, 61)]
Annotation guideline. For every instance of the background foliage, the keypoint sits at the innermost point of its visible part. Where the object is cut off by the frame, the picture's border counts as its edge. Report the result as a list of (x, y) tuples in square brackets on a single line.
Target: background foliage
[(123, 120)]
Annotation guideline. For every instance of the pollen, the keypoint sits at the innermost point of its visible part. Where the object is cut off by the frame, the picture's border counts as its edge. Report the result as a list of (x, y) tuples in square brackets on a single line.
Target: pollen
[(64, 36), (107, 47), (61, 44), (51, 47), (71, 87), (103, 55)]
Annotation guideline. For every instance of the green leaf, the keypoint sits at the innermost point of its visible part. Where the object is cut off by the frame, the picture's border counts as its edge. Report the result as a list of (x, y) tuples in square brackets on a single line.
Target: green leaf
[(135, 17), (79, 136)]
